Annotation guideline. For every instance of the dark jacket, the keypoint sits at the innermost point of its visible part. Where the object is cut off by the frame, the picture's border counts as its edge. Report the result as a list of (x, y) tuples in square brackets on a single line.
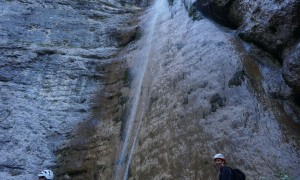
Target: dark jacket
[(225, 173)]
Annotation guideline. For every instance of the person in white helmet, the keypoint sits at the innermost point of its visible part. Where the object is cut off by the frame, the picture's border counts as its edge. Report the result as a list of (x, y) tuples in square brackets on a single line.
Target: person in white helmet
[(46, 175), (225, 172)]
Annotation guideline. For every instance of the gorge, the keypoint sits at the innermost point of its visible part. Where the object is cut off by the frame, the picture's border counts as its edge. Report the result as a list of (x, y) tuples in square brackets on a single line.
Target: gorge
[(149, 89)]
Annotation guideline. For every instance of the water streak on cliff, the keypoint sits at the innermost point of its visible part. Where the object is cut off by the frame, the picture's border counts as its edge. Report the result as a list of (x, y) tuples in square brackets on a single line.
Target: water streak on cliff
[(139, 102)]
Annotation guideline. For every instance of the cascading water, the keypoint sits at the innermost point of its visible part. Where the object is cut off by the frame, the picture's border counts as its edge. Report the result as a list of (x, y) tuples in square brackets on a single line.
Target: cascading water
[(140, 95), (200, 104), (197, 90)]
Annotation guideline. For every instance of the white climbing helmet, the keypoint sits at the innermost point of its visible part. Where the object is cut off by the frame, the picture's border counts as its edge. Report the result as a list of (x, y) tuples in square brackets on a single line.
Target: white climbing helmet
[(219, 156), (47, 173)]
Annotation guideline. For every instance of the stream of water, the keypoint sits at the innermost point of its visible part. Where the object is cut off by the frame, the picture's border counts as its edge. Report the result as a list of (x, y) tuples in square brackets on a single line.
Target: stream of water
[(195, 61), (140, 95)]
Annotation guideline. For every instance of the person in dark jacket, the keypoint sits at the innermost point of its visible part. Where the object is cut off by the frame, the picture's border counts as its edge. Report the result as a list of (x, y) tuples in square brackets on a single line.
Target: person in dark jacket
[(225, 172)]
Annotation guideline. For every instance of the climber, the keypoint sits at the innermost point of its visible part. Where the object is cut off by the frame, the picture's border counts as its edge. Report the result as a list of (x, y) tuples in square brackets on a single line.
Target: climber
[(225, 172), (46, 175)]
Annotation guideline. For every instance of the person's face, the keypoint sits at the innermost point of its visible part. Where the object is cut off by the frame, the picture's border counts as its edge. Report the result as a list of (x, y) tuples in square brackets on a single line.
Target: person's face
[(219, 163), (42, 178)]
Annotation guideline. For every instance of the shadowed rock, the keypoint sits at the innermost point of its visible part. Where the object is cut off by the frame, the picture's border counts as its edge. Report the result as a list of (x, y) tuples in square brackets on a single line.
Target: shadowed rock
[(272, 26)]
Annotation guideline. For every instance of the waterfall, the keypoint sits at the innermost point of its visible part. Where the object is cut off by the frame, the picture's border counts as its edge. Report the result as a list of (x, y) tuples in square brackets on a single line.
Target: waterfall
[(140, 96)]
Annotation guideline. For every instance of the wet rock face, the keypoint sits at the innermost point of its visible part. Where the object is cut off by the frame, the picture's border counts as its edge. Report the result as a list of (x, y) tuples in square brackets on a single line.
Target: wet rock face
[(57, 64), (64, 86), (209, 95), (272, 26), (217, 10), (291, 72)]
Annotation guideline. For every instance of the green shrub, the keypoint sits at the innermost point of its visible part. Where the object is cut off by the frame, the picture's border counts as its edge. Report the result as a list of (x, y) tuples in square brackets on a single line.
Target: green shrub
[(194, 13)]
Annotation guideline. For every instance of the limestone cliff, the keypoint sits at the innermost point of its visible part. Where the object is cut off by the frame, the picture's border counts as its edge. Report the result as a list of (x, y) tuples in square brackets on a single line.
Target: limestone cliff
[(61, 79), (149, 90), (271, 25)]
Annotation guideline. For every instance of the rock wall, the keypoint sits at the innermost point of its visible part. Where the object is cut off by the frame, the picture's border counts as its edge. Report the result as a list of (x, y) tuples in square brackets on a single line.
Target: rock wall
[(66, 69), (271, 25), (60, 78), (210, 92)]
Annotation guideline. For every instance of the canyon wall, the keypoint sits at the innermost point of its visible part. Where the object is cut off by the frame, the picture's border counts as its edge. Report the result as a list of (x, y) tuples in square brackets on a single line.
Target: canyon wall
[(226, 84), (60, 78), (271, 25)]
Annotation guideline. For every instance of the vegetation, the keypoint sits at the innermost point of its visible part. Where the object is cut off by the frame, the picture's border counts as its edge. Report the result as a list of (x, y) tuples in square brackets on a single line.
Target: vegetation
[(194, 13), (127, 78), (82, 2), (282, 175), (216, 102), (237, 79), (171, 2)]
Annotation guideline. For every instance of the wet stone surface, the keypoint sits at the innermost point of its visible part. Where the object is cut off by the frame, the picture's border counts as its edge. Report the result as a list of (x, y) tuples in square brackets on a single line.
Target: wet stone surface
[(55, 61), (65, 73)]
